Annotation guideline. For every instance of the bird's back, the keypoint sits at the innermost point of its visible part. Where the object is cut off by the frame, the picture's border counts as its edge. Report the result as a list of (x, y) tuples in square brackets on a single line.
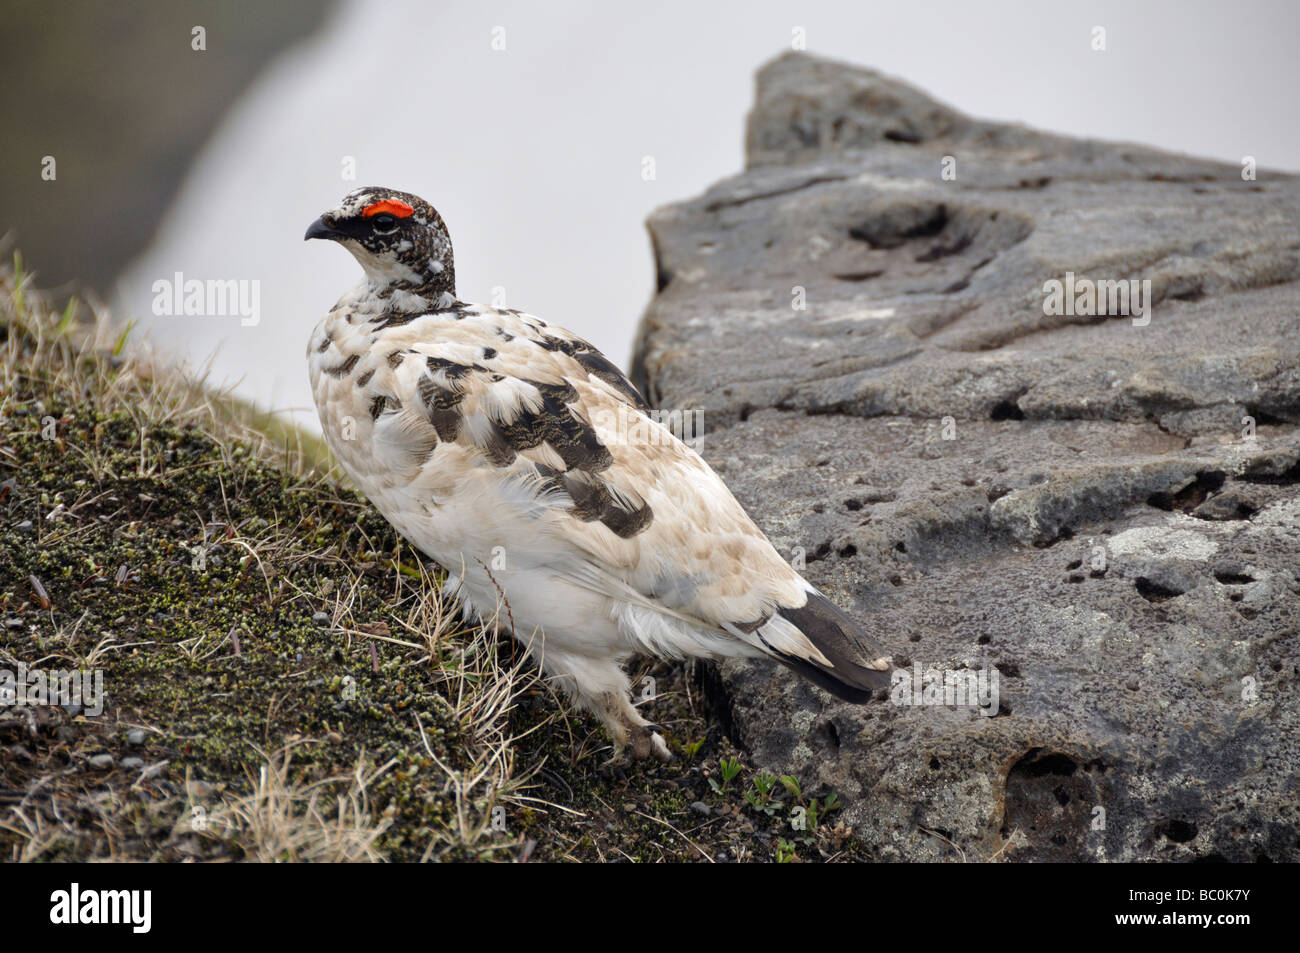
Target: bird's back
[(490, 438)]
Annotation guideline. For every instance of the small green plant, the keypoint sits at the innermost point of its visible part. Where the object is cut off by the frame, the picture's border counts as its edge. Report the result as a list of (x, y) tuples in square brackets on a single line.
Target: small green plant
[(819, 809), (19, 302), (785, 851), (68, 313), (806, 814), (814, 812), (692, 748), (120, 346), (760, 798), (729, 768)]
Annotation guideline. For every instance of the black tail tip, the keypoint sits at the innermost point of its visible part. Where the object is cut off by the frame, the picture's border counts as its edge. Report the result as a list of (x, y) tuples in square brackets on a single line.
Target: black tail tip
[(858, 666), (863, 687)]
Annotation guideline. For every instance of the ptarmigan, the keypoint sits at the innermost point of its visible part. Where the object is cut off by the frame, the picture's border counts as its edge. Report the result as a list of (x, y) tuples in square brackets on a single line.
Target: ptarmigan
[(519, 458)]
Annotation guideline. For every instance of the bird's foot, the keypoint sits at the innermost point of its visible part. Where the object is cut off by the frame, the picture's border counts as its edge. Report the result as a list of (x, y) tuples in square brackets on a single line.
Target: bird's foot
[(645, 741), (632, 735)]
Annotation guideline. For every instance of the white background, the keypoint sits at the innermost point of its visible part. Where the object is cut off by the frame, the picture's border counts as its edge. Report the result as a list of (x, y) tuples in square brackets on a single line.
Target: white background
[(533, 154)]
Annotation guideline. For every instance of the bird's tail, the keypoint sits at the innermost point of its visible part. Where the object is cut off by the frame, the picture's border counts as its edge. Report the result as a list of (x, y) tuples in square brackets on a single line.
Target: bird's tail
[(858, 664)]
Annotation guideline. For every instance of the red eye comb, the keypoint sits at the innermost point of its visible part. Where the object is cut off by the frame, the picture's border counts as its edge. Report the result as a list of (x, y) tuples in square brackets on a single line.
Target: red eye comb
[(391, 206)]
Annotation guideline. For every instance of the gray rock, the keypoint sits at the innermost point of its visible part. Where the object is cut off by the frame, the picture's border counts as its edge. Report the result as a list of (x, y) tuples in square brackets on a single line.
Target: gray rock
[(131, 763), (1234, 504), (135, 737), (1072, 502), (20, 753), (321, 618), (100, 762)]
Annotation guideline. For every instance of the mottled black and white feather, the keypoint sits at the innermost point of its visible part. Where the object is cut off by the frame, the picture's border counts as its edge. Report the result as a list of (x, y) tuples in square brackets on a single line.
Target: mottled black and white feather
[(522, 460)]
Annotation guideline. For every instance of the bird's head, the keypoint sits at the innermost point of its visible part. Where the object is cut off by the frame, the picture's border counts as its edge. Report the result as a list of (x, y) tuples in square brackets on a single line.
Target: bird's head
[(398, 238)]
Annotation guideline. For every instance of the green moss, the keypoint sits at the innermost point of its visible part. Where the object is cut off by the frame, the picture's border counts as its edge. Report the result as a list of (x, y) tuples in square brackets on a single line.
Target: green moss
[(166, 652)]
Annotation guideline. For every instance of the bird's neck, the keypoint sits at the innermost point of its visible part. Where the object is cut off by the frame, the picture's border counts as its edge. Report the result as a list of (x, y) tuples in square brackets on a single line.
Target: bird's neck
[(408, 291), (433, 279)]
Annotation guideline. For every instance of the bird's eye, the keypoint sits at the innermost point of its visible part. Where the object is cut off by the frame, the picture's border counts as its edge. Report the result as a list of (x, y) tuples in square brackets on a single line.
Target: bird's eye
[(383, 222)]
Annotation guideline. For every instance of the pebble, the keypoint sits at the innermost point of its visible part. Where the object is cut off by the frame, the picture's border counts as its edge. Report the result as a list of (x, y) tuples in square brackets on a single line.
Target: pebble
[(321, 618), (24, 527), (135, 736), (101, 761), (132, 763), (699, 807)]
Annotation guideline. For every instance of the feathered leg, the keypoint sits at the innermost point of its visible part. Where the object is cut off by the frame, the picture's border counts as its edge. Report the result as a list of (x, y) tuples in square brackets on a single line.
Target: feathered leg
[(601, 687)]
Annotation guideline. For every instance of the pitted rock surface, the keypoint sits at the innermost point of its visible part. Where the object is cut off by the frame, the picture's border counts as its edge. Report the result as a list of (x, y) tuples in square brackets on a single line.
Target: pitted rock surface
[(1103, 509)]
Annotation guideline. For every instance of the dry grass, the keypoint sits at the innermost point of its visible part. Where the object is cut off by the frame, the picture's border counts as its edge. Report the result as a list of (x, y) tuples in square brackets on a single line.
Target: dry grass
[(83, 351), (82, 354), (280, 820)]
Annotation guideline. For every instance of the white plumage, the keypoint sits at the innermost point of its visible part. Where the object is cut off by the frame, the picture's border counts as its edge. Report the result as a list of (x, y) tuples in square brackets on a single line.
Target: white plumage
[(521, 460)]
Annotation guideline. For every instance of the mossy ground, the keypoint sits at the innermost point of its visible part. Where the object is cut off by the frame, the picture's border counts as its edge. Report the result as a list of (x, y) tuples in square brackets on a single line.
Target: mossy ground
[(282, 680)]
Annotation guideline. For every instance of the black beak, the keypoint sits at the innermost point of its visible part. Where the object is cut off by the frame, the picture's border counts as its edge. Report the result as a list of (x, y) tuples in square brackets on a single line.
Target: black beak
[(318, 229)]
